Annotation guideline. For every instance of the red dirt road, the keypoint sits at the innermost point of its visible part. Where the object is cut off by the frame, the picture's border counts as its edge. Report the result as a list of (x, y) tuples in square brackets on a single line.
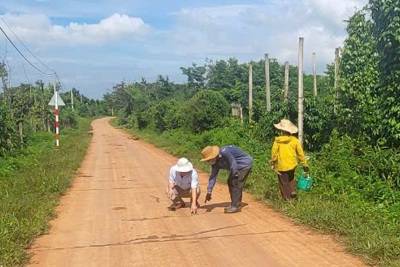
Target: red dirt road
[(115, 214)]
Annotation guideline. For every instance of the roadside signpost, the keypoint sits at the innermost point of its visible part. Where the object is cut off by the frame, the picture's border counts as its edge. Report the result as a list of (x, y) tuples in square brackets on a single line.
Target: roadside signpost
[(56, 101)]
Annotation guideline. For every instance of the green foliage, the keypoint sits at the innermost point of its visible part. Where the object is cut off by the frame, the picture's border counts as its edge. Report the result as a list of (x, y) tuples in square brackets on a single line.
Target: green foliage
[(30, 187), (163, 115), (206, 110), (175, 116), (375, 171), (386, 15), (359, 81), (319, 121), (195, 76), (370, 71), (68, 118), (11, 140), (226, 74)]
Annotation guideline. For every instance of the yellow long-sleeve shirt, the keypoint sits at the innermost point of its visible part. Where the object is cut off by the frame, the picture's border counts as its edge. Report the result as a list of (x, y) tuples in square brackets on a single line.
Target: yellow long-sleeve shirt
[(286, 152)]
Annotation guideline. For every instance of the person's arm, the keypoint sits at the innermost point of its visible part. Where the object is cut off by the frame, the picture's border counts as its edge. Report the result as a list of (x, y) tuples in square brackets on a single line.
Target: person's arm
[(274, 155), (302, 157), (193, 208), (194, 185), (170, 189), (171, 182), (211, 181), (213, 178)]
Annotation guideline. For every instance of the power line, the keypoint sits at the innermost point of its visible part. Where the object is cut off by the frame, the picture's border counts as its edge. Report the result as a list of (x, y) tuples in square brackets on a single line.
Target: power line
[(16, 48), (25, 45), (26, 75), (59, 81)]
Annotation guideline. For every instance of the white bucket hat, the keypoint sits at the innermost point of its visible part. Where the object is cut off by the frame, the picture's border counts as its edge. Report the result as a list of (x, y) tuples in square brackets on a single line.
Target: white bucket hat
[(184, 165)]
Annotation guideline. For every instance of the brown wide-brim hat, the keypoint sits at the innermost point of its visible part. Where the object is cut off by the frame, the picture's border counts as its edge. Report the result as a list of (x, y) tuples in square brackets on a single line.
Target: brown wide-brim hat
[(286, 126), (209, 152)]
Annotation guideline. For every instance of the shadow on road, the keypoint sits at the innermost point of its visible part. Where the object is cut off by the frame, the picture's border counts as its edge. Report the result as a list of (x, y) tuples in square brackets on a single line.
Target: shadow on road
[(210, 207)]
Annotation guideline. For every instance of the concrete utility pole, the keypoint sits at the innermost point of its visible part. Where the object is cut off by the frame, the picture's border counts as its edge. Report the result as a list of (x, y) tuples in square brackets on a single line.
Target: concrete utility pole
[(72, 100), (335, 106), (286, 85), (314, 61), (267, 83), (301, 98), (250, 92)]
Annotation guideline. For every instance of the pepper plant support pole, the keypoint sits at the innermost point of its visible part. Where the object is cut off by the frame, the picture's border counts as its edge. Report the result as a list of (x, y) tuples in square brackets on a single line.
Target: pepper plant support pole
[(301, 97)]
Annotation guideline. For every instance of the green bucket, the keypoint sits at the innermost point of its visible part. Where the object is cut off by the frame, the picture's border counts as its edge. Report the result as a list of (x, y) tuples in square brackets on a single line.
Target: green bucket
[(304, 182)]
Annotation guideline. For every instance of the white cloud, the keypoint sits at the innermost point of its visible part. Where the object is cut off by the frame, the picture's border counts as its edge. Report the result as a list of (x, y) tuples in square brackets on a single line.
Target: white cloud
[(249, 31), (39, 29), (150, 37)]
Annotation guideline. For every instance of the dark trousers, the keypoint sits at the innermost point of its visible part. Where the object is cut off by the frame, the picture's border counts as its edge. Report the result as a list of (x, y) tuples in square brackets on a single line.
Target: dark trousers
[(236, 185), (287, 185), (179, 193)]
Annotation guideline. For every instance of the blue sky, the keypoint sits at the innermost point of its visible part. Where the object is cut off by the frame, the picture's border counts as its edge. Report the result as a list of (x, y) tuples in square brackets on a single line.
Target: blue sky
[(95, 44)]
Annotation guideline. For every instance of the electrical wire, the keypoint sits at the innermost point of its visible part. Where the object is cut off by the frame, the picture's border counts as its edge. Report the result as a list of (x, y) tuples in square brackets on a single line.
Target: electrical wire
[(16, 48), (59, 81), (23, 66), (24, 44), (48, 74)]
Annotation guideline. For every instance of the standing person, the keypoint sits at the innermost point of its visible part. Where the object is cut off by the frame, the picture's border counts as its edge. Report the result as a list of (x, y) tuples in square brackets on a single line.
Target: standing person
[(231, 158), (285, 152), (183, 183)]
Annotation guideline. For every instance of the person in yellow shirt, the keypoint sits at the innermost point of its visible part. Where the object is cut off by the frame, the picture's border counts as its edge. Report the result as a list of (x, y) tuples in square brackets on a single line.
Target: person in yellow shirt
[(285, 154)]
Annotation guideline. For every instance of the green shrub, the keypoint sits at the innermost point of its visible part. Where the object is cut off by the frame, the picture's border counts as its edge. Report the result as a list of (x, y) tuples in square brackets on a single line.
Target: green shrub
[(207, 110)]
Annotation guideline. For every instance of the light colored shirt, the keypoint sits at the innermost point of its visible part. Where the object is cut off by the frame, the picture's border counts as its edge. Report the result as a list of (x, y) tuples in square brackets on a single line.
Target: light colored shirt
[(189, 180)]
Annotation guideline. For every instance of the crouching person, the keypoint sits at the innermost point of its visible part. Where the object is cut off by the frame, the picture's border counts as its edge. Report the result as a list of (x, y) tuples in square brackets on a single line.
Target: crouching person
[(183, 183)]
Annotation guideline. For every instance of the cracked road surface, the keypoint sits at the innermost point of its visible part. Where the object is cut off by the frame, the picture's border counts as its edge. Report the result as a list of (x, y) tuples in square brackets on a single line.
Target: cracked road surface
[(115, 214)]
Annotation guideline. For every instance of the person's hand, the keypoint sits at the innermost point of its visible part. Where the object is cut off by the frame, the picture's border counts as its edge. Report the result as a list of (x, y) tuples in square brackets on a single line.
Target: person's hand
[(208, 197), (306, 171), (272, 167), (193, 208), (170, 193)]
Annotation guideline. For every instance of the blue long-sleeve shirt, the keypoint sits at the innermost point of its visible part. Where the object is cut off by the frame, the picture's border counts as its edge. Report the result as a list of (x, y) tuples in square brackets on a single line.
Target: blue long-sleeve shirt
[(230, 158)]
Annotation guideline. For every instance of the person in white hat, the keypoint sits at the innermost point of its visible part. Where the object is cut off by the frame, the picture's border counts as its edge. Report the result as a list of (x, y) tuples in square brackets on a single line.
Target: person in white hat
[(285, 153), (183, 183)]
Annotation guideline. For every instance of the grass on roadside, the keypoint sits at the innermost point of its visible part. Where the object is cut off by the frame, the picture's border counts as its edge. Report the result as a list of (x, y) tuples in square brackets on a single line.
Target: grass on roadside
[(30, 187)]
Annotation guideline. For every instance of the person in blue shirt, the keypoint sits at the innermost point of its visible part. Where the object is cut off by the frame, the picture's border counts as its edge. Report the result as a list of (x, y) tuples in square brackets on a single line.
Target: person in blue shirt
[(231, 158)]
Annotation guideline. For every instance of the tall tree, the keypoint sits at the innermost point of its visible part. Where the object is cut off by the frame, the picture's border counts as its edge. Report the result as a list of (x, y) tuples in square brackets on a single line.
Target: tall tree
[(359, 80), (386, 15), (195, 76)]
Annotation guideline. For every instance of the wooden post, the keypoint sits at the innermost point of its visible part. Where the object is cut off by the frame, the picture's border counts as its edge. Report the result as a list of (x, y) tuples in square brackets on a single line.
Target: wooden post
[(335, 106), (72, 100), (286, 85), (314, 61), (250, 92), (267, 84), (300, 85)]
